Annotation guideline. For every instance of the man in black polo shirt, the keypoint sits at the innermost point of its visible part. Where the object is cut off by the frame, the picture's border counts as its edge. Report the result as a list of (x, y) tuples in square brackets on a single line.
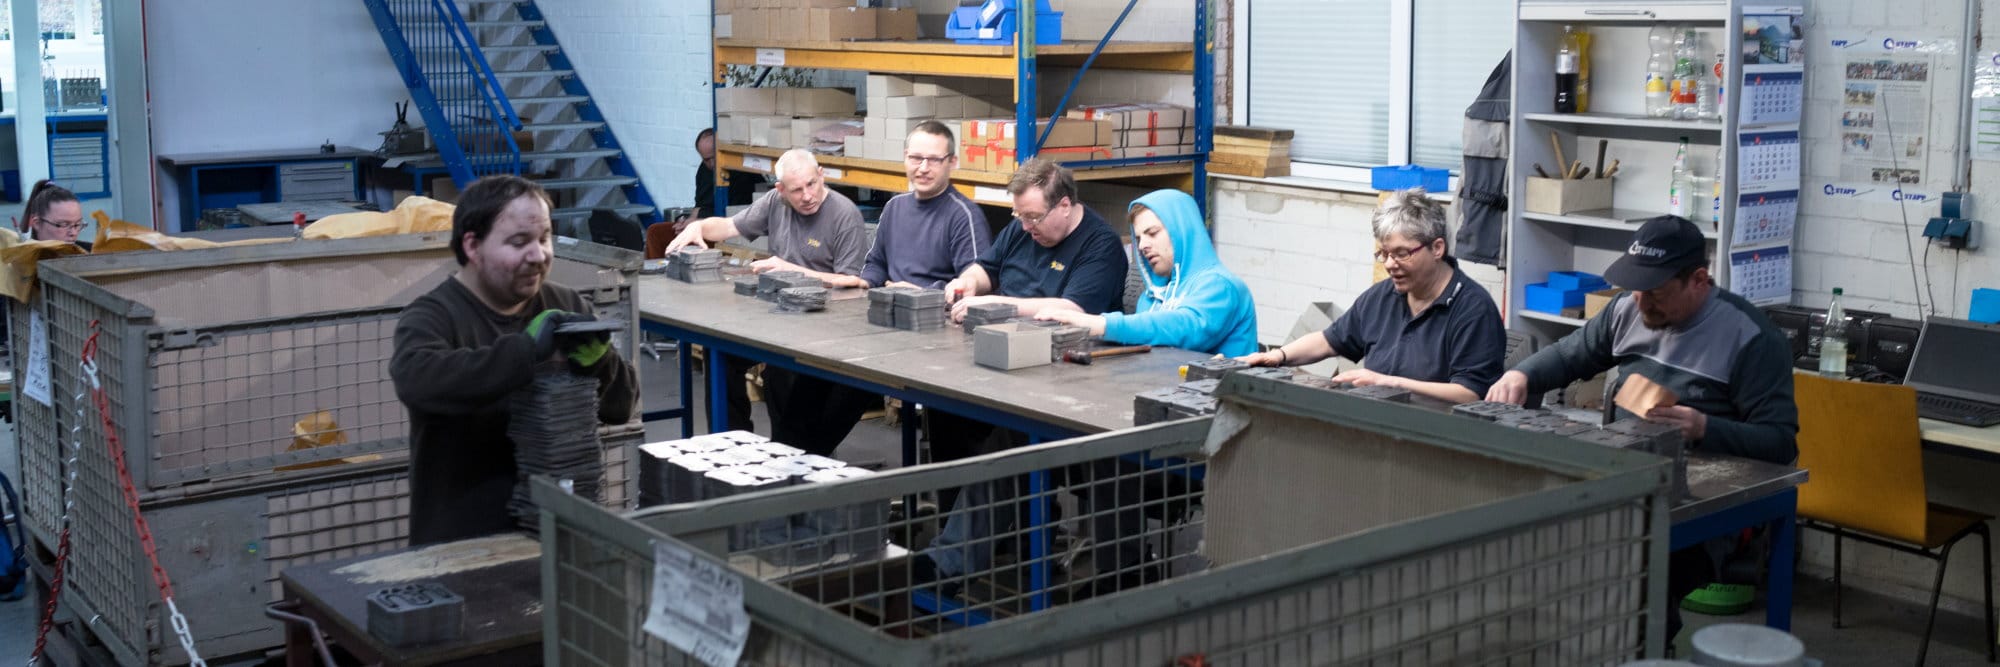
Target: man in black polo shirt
[(1428, 328), (1061, 252)]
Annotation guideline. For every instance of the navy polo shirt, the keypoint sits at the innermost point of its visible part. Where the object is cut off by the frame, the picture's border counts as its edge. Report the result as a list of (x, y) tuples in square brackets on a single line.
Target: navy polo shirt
[(1087, 268), (1458, 339)]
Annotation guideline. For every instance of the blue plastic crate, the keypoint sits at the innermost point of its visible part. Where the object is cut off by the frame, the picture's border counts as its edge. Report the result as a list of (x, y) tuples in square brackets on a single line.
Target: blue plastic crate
[(1410, 176), (1576, 280), (1985, 306), (1544, 298), (994, 23)]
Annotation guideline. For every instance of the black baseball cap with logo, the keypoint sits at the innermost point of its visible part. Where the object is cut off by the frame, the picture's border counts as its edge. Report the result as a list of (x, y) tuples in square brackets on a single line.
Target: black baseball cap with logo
[(1661, 248)]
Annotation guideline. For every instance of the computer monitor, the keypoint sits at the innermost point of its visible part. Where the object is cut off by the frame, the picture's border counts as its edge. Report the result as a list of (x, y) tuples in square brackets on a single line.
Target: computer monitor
[(1957, 358)]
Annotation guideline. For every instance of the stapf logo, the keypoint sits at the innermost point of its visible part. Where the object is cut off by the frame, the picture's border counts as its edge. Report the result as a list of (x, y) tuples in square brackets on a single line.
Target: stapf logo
[(1056, 265), (1645, 251), (812, 242)]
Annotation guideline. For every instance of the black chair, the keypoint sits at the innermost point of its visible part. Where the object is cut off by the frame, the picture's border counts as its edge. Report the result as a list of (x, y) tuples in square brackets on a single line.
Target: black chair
[(609, 228)]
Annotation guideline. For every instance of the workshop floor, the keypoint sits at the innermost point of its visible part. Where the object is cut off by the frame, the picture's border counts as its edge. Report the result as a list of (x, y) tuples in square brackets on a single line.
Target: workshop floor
[(1880, 631)]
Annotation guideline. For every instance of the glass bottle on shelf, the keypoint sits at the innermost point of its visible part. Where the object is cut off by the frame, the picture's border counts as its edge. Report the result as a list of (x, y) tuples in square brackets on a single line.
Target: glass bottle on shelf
[(1566, 72), (1715, 192), (1659, 69), (1686, 75), (1681, 188), (1833, 340), (1582, 37)]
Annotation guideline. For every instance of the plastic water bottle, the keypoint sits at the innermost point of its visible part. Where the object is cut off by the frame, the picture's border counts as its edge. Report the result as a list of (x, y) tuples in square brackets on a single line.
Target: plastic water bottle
[(1715, 193), (1706, 94), (1833, 340), (1659, 67), (1566, 71), (1681, 189), (1686, 76)]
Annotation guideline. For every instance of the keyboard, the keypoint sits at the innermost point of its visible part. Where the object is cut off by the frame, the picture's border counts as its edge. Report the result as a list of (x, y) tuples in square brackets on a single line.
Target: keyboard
[(1957, 410)]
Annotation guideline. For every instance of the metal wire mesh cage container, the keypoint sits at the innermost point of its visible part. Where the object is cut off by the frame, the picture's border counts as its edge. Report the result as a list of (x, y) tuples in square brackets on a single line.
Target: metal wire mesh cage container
[(237, 375), (1436, 540)]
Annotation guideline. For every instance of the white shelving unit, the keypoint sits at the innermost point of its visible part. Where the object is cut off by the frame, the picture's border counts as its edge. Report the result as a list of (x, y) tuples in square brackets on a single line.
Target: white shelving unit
[(1643, 146)]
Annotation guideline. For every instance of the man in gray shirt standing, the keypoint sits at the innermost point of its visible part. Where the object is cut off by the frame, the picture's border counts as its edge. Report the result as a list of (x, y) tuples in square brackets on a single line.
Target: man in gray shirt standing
[(930, 234), (815, 231), (1729, 366)]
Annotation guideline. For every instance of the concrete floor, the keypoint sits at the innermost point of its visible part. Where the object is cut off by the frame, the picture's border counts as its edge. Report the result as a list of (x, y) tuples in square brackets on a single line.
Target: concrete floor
[(1879, 630)]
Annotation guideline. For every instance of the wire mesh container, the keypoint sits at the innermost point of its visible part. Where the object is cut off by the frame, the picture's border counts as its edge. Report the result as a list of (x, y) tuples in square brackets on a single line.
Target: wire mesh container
[(1322, 529)]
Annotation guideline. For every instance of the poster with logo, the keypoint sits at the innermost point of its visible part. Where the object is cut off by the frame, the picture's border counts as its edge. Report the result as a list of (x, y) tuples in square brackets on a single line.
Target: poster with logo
[(1885, 110), (1986, 106)]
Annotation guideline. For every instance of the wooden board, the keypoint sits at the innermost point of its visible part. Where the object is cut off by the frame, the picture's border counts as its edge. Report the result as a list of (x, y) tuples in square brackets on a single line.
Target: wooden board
[(1257, 133), (501, 584)]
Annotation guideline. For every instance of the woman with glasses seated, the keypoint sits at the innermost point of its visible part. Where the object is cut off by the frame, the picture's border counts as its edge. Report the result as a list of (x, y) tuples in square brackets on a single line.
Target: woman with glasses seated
[(54, 214), (1428, 328)]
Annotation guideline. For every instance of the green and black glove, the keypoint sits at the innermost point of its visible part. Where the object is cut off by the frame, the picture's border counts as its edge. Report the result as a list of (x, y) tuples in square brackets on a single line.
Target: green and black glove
[(582, 349)]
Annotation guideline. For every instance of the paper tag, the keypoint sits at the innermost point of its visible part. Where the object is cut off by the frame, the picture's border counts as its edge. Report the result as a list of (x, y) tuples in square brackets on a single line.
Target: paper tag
[(992, 195), (832, 173), (36, 385), (771, 57), (754, 163), (697, 606)]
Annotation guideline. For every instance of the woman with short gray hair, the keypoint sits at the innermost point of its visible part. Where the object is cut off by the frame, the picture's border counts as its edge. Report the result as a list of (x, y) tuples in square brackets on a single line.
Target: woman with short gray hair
[(1428, 328)]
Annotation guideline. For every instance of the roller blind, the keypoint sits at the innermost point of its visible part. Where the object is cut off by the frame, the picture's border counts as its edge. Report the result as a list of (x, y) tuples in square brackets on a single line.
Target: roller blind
[(1321, 68), (1454, 46)]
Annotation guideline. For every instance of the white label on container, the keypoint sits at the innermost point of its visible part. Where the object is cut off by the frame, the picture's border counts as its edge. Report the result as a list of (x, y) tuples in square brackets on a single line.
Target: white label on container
[(697, 606), (771, 57), (754, 163), (36, 385), (832, 173), (991, 196)]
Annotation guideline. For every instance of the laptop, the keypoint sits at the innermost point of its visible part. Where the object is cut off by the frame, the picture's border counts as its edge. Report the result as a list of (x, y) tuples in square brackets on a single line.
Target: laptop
[(1953, 372)]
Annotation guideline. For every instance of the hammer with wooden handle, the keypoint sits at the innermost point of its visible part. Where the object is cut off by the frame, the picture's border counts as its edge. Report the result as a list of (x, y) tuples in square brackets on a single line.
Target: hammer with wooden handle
[(1085, 358)]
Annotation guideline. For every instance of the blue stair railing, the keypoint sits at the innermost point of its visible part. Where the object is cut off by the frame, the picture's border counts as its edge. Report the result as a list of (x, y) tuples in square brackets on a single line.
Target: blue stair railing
[(464, 107), (620, 164)]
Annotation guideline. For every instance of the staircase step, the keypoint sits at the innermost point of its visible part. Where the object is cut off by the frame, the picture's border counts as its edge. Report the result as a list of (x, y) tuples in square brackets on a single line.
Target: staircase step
[(581, 183), (496, 50), (507, 24), (579, 154), (488, 2), (550, 99), (535, 73), (559, 127), (623, 209)]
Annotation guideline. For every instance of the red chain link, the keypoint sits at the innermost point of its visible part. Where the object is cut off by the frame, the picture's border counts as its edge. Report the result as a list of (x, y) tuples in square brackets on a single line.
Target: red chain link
[(55, 593)]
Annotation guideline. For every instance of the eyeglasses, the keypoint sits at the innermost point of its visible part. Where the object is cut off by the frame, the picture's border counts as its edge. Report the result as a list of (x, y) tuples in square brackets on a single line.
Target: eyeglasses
[(64, 225), (914, 159), (1035, 219), (1397, 256)]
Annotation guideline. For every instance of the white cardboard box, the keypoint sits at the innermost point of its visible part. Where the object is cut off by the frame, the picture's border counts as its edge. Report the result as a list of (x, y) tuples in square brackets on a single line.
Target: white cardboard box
[(911, 106)]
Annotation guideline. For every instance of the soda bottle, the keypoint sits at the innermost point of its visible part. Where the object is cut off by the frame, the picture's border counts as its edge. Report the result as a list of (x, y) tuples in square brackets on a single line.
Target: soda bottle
[(1685, 76), (1659, 68), (1566, 72), (1583, 70)]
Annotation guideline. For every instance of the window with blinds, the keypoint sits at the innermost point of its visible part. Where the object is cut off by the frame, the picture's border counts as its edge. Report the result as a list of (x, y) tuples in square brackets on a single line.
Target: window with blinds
[(1329, 70)]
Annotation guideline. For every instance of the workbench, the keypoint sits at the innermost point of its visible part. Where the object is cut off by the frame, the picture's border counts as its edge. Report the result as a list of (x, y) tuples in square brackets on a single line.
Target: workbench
[(499, 577), (1959, 439), (253, 177)]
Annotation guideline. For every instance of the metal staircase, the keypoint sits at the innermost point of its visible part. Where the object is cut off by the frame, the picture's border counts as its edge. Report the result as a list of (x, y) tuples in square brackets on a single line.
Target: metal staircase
[(484, 72)]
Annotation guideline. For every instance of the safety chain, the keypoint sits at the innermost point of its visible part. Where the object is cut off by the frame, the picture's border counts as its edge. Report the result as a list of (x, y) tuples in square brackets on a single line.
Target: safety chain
[(62, 544)]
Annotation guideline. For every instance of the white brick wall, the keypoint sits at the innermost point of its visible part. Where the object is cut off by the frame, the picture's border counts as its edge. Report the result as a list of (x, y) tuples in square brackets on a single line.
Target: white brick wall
[(647, 64)]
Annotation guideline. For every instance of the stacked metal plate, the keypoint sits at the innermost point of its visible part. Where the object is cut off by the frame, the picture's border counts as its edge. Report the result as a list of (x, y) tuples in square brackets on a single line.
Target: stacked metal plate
[(553, 425), (882, 305), (415, 613), (1210, 369), (988, 313), (1150, 406), (849, 529), (1381, 393), (921, 310), (741, 455), (1318, 382), (774, 450), (768, 284), (802, 299), (748, 479), (695, 265), (1661, 439), (746, 285), (1206, 387), (737, 437), (1487, 410), (1068, 339), (1189, 399), (1274, 373), (655, 460)]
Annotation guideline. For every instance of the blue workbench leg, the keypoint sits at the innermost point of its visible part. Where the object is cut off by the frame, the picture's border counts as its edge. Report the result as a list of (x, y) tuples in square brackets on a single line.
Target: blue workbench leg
[(718, 391), (907, 412), (1784, 542), (687, 389), (1038, 536)]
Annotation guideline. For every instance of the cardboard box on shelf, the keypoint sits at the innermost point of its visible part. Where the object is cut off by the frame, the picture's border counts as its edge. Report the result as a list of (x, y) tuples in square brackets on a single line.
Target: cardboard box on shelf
[(974, 157), (1167, 136), (828, 4), (789, 24), (737, 99), (1594, 302), (1557, 196), (1075, 154), (948, 106), (1068, 133), (1151, 151), (763, 129), (855, 145), (725, 26), (1135, 116), (913, 106), (889, 85), (898, 23), (873, 125), (803, 128), (839, 24), (816, 101), (752, 24)]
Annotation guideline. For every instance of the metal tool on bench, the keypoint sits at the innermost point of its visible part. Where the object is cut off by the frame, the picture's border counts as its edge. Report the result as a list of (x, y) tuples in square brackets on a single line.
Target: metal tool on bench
[(401, 139), (418, 613), (1086, 357)]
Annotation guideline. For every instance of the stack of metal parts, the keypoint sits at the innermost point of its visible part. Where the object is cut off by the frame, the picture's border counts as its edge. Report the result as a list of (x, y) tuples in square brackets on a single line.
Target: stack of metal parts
[(746, 285), (882, 305), (1064, 340), (802, 299), (725, 464), (1195, 398), (695, 265), (769, 284), (921, 310), (1188, 399), (553, 424), (988, 313), (1215, 368), (418, 613), (1636, 434)]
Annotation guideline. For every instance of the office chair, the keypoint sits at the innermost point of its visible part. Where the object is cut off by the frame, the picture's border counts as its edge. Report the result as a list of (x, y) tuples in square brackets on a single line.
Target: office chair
[(607, 227)]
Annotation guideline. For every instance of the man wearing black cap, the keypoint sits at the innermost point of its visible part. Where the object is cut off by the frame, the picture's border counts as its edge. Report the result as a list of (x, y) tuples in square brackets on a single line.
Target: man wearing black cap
[(1730, 367)]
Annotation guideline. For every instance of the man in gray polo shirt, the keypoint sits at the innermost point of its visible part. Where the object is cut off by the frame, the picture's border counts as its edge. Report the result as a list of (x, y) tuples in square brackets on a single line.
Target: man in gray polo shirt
[(930, 234), (813, 230), (1730, 367)]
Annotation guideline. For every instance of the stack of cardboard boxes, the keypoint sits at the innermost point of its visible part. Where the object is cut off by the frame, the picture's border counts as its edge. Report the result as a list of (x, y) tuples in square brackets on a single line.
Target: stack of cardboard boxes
[(994, 145), (1144, 130), (810, 21), (896, 104), (780, 118)]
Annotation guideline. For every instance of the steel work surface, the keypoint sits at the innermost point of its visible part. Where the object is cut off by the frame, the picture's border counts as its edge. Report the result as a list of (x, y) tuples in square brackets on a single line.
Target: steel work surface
[(499, 578), (1074, 398)]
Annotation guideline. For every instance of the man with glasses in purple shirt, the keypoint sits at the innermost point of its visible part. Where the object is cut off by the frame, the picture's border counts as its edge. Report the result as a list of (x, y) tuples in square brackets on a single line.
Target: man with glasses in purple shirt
[(930, 234)]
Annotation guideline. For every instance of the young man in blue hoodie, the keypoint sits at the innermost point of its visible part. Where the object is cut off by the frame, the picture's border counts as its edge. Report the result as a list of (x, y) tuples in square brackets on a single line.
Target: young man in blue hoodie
[(1191, 301)]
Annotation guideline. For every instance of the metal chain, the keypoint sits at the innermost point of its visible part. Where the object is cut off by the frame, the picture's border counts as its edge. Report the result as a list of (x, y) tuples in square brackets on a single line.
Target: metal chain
[(62, 548), (166, 585)]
